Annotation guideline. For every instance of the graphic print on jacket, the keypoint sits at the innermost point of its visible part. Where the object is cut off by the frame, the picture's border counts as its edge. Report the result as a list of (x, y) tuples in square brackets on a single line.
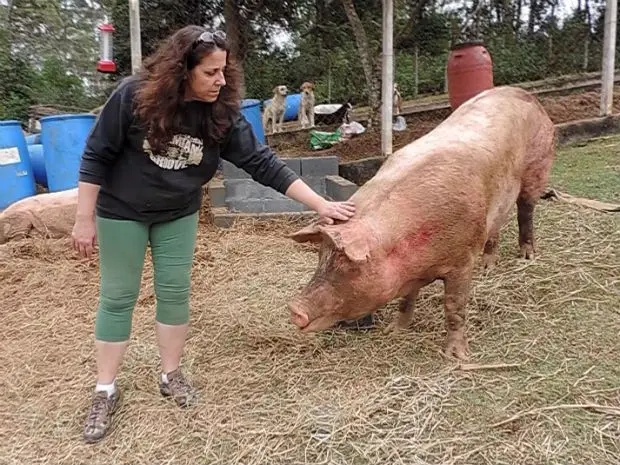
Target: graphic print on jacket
[(183, 150)]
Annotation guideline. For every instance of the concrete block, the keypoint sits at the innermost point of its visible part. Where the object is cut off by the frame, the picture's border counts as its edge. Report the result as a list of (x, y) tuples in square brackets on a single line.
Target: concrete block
[(319, 166), (338, 188), (230, 171), (361, 171), (286, 205), (294, 164), (265, 206), (217, 193), (316, 183), (244, 189), (246, 206), (575, 131), (228, 219)]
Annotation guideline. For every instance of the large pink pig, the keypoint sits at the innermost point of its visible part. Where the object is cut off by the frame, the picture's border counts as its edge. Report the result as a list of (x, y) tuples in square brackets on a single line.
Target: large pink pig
[(432, 208)]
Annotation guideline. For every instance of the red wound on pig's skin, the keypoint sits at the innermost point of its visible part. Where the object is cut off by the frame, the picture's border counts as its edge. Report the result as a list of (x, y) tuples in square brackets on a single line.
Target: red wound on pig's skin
[(415, 241)]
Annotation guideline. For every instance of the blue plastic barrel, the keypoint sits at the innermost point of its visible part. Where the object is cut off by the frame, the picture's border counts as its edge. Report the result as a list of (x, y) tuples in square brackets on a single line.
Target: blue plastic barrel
[(63, 138), (250, 108), (37, 161), (16, 178), (33, 139), (291, 103)]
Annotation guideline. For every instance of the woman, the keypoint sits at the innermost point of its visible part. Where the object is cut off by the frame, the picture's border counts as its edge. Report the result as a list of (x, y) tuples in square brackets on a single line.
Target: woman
[(158, 139)]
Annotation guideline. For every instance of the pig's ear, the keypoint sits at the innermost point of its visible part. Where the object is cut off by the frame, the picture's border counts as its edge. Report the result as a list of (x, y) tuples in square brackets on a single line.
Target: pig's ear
[(352, 243), (311, 233)]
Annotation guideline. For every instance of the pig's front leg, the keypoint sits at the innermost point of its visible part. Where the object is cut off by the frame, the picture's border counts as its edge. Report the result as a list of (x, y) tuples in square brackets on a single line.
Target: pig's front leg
[(456, 294), (405, 310), (405, 314)]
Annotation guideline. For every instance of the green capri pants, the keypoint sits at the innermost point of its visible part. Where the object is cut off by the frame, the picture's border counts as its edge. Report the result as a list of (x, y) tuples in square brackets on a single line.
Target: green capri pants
[(122, 249)]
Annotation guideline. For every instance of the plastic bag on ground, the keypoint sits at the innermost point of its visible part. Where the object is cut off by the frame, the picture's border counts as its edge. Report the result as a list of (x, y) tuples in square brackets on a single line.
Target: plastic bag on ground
[(323, 140), (351, 129), (400, 124)]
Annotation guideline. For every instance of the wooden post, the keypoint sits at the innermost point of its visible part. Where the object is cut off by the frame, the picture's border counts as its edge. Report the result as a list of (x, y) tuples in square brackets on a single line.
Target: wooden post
[(387, 81), (609, 49), (134, 34)]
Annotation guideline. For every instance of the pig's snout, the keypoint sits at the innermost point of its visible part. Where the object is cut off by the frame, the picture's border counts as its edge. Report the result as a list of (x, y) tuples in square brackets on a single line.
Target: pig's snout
[(298, 316)]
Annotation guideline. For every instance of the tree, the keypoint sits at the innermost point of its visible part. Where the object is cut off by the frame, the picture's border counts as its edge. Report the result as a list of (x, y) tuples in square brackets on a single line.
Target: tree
[(15, 87), (158, 19), (368, 59)]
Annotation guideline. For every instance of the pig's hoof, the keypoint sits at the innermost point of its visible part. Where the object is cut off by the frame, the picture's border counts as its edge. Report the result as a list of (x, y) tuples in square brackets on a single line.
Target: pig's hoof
[(527, 251), (366, 322), (395, 326), (457, 348), (489, 261)]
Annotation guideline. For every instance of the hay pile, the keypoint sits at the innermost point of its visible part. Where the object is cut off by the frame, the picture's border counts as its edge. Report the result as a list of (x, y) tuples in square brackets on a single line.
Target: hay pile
[(271, 396)]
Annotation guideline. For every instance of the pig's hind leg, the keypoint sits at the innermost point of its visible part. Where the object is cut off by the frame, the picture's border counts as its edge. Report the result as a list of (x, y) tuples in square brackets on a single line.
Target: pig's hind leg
[(490, 254), (525, 217), (456, 294), (540, 158)]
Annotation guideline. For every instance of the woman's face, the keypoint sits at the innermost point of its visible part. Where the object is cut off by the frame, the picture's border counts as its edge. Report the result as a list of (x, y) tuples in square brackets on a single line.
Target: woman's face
[(207, 77)]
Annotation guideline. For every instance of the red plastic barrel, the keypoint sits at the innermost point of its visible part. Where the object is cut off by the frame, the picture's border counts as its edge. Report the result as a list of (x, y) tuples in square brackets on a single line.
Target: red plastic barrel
[(469, 70)]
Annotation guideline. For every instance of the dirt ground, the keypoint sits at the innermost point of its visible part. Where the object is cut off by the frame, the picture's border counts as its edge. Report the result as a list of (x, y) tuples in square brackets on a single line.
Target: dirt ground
[(543, 384), (561, 109)]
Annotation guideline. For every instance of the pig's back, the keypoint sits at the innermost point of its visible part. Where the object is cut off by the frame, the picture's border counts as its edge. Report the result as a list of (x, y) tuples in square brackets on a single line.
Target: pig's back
[(465, 165)]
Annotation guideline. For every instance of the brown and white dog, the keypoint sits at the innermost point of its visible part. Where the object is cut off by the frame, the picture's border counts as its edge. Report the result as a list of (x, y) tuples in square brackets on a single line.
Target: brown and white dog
[(306, 106), (274, 111)]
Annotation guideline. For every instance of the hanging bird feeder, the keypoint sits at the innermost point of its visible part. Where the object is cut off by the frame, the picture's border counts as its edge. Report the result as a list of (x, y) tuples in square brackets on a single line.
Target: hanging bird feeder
[(106, 58)]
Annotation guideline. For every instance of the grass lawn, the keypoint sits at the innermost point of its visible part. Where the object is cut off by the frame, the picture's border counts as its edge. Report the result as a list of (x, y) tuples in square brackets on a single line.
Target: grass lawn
[(589, 170)]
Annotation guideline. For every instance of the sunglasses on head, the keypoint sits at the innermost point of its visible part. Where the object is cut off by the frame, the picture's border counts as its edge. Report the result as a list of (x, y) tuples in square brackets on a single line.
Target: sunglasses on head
[(207, 37)]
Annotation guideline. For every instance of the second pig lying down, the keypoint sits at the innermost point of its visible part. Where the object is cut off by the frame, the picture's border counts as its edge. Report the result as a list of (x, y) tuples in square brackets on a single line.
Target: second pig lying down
[(430, 211)]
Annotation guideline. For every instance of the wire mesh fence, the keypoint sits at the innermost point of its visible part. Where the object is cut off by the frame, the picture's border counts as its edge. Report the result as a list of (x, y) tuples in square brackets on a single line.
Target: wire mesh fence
[(550, 47), (332, 47)]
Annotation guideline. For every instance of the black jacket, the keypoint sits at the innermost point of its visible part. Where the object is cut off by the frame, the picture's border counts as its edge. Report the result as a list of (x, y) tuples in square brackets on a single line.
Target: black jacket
[(138, 185)]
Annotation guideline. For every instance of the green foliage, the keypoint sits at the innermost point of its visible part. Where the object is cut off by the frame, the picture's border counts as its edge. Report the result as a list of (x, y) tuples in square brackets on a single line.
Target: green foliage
[(28, 86), (343, 78), (16, 94), (61, 28), (517, 64), (54, 85), (158, 19), (431, 73), (336, 73), (15, 90), (48, 52)]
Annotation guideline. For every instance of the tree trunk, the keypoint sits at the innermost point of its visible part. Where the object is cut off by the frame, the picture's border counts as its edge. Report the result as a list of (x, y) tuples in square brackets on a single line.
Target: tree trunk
[(508, 21), (372, 84), (499, 11), (236, 36), (234, 30), (586, 42), (516, 15), (9, 7)]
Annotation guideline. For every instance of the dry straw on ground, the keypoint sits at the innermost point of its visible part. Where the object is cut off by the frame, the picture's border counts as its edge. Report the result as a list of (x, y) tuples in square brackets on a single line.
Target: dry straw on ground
[(543, 385)]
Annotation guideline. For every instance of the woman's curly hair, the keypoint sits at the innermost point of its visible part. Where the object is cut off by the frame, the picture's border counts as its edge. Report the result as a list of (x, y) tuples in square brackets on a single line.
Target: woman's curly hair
[(160, 97)]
